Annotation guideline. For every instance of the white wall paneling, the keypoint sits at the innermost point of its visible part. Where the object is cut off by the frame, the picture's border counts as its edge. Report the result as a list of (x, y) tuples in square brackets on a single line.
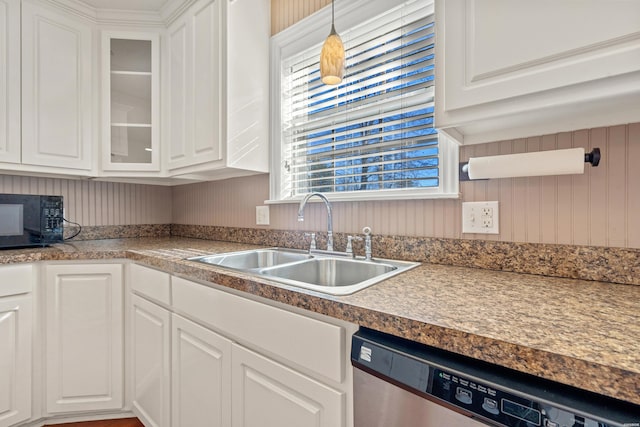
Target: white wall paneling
[(95, 203), (287, 12), (596, 208)]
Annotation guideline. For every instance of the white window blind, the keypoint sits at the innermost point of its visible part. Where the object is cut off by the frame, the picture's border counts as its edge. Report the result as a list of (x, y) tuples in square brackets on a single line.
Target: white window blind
[(374, 131)]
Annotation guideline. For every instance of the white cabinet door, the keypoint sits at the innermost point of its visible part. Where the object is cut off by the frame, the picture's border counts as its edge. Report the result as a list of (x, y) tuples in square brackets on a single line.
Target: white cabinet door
[(9, 81), (130, 102), (247, 94), (499, 61), (267, 394), (84, 337), (201, 376), (57, 102), (15, 359), (16, 332), (151, 341), (318, 347), (194, 69), (217, 114)]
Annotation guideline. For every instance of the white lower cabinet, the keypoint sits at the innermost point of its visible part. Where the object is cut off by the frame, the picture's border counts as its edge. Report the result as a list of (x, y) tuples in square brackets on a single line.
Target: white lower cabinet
[(207, 357), (197, 355), (201, 376), (151, 341), (15, 342), (268, 394), (83, 337)]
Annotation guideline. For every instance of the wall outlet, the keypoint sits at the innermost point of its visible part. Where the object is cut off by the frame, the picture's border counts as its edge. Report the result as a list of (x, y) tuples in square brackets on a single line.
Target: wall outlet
[(262, 215), (480, 217)]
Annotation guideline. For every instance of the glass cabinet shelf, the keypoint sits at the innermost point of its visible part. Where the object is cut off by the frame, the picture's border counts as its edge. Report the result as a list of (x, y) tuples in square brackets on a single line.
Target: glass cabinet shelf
[(131, 131)]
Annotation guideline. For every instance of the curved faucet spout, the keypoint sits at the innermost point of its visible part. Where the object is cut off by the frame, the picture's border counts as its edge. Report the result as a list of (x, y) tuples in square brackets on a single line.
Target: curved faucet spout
[(303, 203)]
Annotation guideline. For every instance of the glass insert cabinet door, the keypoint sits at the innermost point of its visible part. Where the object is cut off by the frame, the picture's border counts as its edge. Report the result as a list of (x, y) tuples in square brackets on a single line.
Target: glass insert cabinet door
[(130, 101)]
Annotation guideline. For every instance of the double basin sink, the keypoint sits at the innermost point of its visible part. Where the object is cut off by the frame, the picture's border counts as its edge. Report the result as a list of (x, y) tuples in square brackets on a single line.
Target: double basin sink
[(330, 273)]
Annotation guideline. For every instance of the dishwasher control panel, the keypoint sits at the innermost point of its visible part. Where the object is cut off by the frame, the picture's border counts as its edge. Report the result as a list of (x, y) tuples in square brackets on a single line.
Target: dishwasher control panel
[(485, 400), (492, 394)]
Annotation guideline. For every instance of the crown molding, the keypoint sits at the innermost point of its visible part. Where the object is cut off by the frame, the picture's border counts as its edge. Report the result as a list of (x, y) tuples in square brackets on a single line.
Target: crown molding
[(74, 7), (128, 18), (173, 9)]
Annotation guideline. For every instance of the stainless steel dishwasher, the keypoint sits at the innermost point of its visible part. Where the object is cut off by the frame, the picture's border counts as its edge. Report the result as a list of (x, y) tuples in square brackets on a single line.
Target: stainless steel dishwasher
[(400, 383)]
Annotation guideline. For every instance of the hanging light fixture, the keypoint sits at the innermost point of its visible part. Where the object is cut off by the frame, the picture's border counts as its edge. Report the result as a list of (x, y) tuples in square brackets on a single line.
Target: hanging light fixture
[(332, 56)]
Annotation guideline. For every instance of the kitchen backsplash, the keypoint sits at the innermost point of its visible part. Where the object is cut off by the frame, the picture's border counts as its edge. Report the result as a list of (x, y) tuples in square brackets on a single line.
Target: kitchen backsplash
[(94, 203), (99, 232), (598, 208), (618, 265)]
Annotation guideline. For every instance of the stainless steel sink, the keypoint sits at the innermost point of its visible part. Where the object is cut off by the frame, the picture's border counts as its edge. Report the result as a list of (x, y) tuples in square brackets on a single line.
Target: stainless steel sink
[(329, 271), (257, 258), (324, 272)]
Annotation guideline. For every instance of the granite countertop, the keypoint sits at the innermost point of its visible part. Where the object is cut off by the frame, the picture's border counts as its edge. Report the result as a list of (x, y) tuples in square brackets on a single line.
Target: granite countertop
[(581, 333)]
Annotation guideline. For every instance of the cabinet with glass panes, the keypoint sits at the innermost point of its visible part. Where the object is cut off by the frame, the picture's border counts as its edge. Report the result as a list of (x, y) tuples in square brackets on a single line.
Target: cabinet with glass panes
[(130, 108)]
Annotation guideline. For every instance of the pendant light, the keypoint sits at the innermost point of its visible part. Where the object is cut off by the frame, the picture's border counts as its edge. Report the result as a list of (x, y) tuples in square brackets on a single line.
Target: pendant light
[(332, 56)]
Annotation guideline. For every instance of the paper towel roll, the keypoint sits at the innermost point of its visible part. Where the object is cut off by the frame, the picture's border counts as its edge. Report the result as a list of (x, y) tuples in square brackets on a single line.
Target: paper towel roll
[(541, 163)]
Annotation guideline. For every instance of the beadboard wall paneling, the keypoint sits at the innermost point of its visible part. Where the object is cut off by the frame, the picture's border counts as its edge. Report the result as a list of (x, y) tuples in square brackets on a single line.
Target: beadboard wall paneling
[(93, 203), (287, 12), (230, 202), (598, 208)]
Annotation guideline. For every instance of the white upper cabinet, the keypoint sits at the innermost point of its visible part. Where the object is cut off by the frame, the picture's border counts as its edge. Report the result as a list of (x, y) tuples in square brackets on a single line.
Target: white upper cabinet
[(82, 94), (510, 69), (10, 81), (194, 61), (130, 101), (247, 95), (57, 100), (216, 63)]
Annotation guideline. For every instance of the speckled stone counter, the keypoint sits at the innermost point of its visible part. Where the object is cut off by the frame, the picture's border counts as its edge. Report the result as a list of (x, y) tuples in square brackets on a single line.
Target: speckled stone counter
[(581, 333)]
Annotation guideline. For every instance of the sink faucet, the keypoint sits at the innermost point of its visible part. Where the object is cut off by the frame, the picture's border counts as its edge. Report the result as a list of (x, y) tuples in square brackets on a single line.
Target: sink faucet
[(367, 243), (303, 203)]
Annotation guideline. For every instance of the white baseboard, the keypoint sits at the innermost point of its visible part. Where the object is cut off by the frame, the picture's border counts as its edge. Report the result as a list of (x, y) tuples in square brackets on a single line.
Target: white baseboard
[(74, 418)]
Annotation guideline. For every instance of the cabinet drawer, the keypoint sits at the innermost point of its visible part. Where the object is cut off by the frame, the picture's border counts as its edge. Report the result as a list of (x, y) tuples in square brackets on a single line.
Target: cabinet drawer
[(16, 279), (310, 343), (151, 283)]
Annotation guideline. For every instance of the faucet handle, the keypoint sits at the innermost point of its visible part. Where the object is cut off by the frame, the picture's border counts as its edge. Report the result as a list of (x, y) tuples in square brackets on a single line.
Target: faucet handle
[(350, 240), (312, 245)]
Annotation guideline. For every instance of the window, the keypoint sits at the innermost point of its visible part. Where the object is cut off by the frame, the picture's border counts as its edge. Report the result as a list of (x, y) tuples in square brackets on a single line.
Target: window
[(371, 136)]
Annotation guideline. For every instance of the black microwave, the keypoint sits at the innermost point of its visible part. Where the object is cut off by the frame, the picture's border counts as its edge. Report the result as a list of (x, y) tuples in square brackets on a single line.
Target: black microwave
[(30, 220)]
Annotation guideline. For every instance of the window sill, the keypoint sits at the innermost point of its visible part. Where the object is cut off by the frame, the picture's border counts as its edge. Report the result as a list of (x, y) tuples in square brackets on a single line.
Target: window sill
[(372, 196)]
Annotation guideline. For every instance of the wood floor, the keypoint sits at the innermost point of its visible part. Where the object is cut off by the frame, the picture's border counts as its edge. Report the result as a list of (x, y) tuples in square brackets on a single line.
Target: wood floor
[(123, 422)]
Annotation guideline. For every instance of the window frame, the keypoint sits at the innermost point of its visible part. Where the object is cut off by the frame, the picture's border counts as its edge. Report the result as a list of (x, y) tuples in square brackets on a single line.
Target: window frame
[(309, 32)]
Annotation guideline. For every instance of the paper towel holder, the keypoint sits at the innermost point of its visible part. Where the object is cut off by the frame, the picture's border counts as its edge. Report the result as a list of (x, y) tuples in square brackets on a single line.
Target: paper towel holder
[(593, 158)]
